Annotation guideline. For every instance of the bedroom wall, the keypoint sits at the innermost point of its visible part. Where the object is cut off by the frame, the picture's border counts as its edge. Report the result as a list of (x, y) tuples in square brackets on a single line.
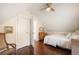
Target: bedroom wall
[(36, 25), (19, 28), (11, 37), (65, 18)]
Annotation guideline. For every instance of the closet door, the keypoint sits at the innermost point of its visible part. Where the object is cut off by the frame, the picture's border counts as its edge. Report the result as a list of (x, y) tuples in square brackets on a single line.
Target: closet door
[(23, 29)]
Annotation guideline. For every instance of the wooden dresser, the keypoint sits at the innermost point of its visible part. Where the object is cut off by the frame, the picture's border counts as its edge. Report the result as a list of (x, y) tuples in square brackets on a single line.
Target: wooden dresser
[(75, 46), (42, 35)]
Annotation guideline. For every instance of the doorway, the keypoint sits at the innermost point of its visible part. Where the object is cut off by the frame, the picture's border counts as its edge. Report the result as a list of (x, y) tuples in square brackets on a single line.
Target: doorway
[(23, 31)]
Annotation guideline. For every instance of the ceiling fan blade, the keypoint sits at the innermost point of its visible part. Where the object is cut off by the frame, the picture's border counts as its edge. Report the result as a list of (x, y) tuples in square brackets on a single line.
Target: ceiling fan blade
[(43, 9), (52, 9), (49, 7), (49, 4)]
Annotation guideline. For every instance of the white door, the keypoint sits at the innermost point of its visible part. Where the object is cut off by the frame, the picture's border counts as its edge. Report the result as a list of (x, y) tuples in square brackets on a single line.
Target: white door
[(31, 32), (23, 31)]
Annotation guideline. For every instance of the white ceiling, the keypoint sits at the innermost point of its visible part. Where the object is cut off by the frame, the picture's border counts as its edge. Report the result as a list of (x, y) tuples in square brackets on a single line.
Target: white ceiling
[(65, 17), (8, 10)]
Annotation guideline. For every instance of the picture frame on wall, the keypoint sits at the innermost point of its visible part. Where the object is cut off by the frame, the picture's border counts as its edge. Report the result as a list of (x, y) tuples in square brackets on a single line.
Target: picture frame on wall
[(8, 29)]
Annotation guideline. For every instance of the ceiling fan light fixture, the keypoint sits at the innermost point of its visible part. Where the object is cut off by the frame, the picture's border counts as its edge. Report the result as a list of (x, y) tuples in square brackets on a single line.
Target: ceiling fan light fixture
[(48, 9)]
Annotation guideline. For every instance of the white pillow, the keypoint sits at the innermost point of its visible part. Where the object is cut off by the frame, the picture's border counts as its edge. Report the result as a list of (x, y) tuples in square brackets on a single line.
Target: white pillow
[(74, 36), (69, 35), (77, 32)]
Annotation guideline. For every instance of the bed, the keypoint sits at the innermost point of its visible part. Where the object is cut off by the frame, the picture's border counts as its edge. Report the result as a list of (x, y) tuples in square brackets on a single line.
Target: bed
[(63, 41)]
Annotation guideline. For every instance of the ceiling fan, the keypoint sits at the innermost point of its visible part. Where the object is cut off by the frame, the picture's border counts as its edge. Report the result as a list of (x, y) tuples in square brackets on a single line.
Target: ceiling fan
[(48, 7)]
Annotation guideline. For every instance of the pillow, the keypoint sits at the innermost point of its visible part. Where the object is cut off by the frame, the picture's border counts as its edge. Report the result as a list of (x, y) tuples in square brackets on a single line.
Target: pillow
[(69, 35), (75, 37), (77, 32)]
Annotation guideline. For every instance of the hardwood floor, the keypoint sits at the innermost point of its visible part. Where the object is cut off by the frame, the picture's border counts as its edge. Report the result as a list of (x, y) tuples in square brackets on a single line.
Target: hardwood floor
[(28, 50), (42, 49)]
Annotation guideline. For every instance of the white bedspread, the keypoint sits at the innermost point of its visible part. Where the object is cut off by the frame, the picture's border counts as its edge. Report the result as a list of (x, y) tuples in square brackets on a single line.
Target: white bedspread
[(58, 40)]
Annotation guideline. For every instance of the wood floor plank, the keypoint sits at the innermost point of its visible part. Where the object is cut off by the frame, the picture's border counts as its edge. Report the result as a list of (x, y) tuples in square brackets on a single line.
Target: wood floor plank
[(42, 49)]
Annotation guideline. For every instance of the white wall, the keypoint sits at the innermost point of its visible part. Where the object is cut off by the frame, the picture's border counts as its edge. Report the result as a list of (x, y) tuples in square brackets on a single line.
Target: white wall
[(21, 26), (36, 25), (11, 37)]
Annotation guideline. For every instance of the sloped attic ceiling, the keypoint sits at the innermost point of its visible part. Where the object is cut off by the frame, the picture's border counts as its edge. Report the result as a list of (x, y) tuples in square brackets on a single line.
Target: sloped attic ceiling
[(65, 18), (63, 12), (8, 10)]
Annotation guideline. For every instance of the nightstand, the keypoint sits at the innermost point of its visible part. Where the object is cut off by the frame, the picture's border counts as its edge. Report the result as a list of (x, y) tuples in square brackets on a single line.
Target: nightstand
[(42, 35)]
